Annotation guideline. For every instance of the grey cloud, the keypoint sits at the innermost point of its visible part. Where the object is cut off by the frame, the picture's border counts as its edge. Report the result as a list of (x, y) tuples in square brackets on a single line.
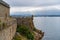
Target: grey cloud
[(48, 12), (38, 13), (32, 2)]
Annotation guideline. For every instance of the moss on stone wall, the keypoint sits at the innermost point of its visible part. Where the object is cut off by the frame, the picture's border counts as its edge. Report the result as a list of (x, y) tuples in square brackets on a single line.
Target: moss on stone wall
[(24, 30)]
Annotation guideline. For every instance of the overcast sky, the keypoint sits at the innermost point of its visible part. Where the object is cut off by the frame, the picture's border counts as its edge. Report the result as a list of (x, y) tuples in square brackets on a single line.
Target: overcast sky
[(33, 5), (32, 2)]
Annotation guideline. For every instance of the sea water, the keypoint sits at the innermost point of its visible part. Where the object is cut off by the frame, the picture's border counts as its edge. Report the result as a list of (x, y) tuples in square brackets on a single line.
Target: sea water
[(49, 25)]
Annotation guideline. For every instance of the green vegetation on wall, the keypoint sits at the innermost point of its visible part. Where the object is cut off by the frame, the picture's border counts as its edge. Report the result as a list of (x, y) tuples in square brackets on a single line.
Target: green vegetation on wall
[(17, 38), (24, 30)]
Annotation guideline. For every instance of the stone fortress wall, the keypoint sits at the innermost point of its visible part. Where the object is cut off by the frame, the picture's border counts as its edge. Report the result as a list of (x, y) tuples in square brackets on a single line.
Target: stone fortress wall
[(8, 25), (28, 21), (8, 33)]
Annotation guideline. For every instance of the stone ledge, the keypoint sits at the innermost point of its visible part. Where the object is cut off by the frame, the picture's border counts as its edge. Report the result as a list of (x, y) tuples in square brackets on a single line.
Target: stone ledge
[(4, 4)]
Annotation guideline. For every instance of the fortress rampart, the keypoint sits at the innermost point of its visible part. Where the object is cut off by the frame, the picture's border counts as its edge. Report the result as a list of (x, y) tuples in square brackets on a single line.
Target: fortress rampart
[(8, 25)]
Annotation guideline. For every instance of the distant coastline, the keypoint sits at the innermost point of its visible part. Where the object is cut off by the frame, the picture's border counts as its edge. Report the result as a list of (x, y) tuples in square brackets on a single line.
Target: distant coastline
[(35, 15), (46, 15)]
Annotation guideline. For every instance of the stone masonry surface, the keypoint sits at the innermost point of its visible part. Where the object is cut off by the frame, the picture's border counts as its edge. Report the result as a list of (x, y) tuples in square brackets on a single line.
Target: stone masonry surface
[(8, 25)]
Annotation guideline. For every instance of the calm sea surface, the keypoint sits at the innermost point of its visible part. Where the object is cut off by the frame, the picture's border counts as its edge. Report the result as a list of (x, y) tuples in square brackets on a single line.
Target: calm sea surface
[(49, 25)]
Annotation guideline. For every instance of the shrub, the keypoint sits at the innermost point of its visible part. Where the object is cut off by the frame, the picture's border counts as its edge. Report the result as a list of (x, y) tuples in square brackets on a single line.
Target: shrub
[(24, 30), (34, 29), (17, 38), (3, 24)]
